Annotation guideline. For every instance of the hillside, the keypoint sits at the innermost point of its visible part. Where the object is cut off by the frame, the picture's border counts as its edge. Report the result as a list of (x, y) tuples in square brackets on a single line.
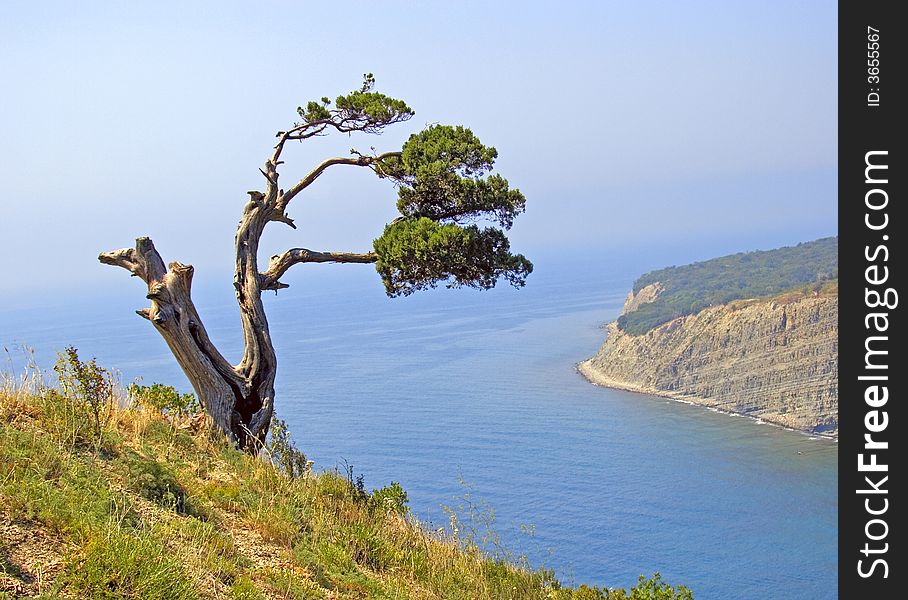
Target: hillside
[(773, 358), (753, 334), (688, 289), (108, 494)]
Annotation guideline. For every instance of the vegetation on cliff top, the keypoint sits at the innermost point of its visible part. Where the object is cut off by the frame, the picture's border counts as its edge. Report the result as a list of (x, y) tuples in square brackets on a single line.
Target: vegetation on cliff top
[(691, 288), (111, 493)]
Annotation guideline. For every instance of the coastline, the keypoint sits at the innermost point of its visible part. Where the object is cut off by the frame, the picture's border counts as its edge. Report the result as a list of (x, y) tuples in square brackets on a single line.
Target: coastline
[(591, 374)]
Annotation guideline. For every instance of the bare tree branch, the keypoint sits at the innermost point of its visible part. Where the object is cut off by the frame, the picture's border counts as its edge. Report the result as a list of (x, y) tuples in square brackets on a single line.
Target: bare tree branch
[(240, 398), (300, 132), (143, 261), (359, 161), (281, 262), (126, 258), (173, 314)]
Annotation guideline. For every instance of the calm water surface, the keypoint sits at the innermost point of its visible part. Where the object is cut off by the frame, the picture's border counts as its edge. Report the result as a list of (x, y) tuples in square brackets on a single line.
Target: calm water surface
[(459, 392)]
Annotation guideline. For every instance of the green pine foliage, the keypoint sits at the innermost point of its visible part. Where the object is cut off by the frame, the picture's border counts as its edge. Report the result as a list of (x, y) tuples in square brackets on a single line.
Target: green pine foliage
[(691, 288), (418, 254), (360, 110), (443, 192), (453, 212)]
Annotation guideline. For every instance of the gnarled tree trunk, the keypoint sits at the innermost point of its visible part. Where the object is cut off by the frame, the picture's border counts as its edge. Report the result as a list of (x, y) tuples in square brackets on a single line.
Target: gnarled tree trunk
[(239, 398), (441, 186)]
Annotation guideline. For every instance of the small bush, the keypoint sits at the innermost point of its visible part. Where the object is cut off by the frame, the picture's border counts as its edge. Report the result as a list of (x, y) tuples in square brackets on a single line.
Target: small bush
[(164, 399), (276, 521), (284, 453), (652, 588), (390, 499), (356, 485), (88, 393), (336, 557), (65, 419)]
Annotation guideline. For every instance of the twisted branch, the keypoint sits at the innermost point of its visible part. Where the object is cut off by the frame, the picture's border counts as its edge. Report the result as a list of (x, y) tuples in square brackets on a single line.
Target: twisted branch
[(281, 262), (362, 160)]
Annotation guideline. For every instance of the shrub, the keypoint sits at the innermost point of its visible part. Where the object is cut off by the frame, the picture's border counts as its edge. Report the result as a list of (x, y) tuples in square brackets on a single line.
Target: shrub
[(284, 453), (589, 593), (88, 390), (390, 499), (356, 486), (164, 399), (652, 588)]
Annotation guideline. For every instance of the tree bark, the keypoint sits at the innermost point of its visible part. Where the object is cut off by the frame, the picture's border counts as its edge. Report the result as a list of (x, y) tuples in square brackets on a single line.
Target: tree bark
[(239, 398), (219, 386)]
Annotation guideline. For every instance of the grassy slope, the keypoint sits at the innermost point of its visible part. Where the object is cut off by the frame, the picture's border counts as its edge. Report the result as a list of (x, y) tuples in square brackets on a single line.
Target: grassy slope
[(154, 508), (691, 288)]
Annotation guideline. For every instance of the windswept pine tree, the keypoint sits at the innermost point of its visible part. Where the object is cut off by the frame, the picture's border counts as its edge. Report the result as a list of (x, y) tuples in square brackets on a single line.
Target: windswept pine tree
[(451, 230)]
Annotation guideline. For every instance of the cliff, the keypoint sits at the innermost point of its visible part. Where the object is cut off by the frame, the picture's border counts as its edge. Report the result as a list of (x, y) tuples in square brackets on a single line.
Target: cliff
[(772, 358)]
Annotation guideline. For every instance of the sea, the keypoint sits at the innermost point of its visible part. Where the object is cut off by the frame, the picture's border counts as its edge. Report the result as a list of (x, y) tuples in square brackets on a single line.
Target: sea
[(471, 401)]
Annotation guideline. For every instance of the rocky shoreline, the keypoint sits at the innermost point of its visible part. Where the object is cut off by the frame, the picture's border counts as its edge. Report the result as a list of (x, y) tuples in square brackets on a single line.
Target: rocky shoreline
[(589, 372), (770, 359)]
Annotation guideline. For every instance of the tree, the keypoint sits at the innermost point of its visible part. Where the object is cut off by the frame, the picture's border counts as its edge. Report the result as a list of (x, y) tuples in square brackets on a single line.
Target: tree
[(443, 191)]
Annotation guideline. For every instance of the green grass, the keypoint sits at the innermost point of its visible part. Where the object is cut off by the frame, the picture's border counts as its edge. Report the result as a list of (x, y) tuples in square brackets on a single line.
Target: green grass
[(146, 507), (691, 288), (127, 563)]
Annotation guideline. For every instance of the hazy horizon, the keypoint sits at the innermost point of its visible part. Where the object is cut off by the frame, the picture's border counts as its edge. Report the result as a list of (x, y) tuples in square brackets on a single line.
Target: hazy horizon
[(698, 130)]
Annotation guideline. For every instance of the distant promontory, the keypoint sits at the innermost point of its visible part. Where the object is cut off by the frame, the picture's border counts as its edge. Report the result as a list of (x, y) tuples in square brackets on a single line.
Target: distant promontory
[(752, 333)]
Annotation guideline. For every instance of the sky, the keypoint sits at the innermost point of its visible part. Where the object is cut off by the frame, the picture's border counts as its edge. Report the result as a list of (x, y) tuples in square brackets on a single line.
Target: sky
[(705, 123)]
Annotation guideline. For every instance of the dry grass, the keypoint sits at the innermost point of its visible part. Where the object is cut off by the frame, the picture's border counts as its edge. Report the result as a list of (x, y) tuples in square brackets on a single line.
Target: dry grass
[(159, 507), (829, 289)]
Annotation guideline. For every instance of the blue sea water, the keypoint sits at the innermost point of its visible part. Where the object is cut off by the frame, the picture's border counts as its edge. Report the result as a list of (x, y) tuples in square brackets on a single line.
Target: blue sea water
[(457, 393)]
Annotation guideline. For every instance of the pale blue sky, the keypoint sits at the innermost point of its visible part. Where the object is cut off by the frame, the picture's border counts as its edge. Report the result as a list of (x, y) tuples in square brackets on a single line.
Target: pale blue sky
[(620, 121)]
